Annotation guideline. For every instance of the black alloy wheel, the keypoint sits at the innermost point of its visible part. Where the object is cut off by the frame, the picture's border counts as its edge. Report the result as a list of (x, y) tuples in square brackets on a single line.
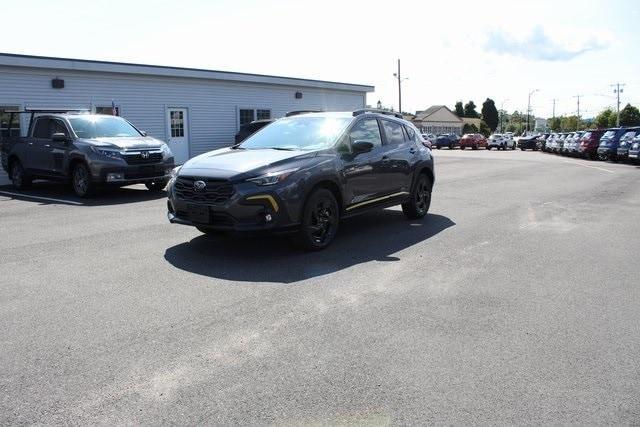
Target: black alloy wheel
[(156, 185), (81, 180), (320, 219), (19, 177), (418, 206)]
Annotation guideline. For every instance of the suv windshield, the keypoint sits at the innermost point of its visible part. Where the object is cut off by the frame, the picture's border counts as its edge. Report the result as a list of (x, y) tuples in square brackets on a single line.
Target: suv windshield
[(298, 133), (102, 127), (609, 134)]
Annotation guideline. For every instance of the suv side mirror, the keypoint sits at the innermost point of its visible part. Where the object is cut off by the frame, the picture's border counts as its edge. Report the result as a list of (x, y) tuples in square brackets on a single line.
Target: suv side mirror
[(360, 147), (143, 132), (59, 137)]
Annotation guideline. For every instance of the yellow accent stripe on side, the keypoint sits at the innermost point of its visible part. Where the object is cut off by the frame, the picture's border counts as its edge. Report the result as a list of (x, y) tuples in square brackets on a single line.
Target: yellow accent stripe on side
[(378, 199), (271, 200)]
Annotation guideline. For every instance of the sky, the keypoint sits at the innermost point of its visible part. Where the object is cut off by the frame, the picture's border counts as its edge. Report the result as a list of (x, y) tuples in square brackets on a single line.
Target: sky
[(449, 50)]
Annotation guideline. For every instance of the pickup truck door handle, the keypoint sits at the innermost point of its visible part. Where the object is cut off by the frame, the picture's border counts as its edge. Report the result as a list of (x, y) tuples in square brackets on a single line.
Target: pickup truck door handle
[(47, 145)]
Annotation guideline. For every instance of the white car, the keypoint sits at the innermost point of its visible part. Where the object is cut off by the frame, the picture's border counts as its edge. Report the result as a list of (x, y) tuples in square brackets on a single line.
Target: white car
[(429, 137), (498, 140)]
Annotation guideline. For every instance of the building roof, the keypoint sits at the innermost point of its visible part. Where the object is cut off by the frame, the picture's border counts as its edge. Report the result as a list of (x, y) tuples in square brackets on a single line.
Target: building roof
[(445, 116), (29, 61)]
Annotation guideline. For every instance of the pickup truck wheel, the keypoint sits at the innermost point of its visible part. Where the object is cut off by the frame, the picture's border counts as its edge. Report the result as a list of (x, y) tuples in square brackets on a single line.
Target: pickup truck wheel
[(320, 218), (20, 179), (474, 147), (156, 185), (462, 147), (81, 180), (450, 146), (418, 206)]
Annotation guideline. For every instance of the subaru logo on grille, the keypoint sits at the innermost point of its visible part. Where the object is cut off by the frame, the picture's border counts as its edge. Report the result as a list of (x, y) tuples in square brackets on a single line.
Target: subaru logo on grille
[(144, 154), (199, 185)]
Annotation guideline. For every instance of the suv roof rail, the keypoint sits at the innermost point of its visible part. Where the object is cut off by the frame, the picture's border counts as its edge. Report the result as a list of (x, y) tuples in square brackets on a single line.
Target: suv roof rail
[(297, 112), (375, 110)]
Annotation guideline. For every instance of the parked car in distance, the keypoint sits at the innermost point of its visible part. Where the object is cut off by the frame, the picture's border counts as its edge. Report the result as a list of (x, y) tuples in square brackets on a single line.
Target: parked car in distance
[(608, 148), (304, 174), (549, 142), (429, 137), (448, 140), (559, 143), (473, 141), (528, 142), (249, 129), (588, 143), (634, 149), (541, 141), (88, 150), (500, 141), (625, 142)]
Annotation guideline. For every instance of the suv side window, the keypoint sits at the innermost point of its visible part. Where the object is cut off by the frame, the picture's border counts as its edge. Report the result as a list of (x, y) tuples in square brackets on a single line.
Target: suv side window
[(411, 133), (42, 128), (393, 131), (366, 130)]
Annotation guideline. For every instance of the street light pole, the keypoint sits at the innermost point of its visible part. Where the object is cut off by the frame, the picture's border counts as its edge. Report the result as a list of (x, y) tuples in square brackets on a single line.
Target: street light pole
[(397, 75)]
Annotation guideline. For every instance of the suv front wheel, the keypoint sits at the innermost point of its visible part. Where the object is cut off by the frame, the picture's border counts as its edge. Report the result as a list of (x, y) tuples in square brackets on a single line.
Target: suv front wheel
[(418, 206), (319, 220)]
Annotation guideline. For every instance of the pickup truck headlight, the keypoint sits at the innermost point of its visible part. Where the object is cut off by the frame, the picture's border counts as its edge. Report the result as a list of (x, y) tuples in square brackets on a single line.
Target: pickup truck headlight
[(107, 152), (272, 177)]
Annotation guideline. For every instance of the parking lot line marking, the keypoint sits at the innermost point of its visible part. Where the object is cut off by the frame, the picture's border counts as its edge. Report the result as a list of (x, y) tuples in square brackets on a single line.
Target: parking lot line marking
[(589, 166), (49, 199)]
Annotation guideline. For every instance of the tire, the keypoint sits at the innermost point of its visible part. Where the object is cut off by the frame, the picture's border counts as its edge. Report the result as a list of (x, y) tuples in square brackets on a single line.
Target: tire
[(19, 177), (450, 147), (488, 147), (156, 186), (522, 149), (438, 147), (418, 206), (462, 147), (474, 147), (320, 219), (513, 147), (81, 180)]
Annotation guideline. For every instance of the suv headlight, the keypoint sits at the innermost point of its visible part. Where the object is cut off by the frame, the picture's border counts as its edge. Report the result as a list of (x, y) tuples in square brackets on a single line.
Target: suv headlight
[(174, 171), (166, 151), (107, 152), (272, 177)]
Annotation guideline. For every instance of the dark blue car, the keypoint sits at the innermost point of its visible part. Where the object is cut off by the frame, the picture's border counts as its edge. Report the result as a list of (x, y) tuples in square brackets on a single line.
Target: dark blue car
[(608, 148), (447, 140)]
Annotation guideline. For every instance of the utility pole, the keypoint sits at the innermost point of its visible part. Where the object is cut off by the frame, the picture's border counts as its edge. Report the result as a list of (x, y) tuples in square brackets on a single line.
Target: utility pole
[(529, 106), (578, 121), (554, 108), (397, 75), (618, 91)]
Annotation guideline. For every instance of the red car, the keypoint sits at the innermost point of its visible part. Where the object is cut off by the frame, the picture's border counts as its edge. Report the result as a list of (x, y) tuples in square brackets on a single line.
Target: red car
[(588, 144), (473, 140)]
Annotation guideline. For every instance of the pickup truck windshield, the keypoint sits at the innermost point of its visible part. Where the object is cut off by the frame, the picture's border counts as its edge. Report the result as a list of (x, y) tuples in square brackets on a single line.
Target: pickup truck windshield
[(91, 127), (298, 133)]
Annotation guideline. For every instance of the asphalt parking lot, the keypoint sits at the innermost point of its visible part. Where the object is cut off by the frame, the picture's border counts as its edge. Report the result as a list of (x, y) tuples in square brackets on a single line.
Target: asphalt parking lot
[(515, 301)]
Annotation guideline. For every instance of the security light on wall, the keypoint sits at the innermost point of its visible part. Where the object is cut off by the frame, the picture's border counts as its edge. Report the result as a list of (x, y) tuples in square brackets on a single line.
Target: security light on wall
[(298, 95), (57, 83)]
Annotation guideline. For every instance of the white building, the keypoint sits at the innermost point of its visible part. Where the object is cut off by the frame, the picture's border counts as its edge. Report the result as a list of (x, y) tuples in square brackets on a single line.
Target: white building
[(193, 110), (438, 119)]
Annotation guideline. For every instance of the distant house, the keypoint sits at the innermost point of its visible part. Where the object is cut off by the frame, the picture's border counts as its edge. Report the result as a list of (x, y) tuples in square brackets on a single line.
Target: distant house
[(438, 119)]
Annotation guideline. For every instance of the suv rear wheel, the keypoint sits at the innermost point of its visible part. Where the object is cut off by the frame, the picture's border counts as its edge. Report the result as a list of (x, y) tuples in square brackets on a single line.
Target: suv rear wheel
[(418, 206), (19, 177), (320, 218), (81, 180)]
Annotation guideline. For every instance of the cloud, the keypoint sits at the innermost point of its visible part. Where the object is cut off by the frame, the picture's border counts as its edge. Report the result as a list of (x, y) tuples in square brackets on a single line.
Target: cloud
[(539, 46)]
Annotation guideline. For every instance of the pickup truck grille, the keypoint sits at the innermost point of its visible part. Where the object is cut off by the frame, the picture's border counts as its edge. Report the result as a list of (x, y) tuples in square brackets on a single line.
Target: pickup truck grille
[(216, 191), (139, 159)]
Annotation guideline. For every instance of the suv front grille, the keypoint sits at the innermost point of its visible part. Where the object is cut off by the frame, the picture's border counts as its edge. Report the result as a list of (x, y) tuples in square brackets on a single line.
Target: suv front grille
[(216, 190), (138, 159)]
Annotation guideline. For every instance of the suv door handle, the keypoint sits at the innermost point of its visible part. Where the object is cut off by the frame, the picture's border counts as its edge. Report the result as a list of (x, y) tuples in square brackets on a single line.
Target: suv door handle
[(47, 145)]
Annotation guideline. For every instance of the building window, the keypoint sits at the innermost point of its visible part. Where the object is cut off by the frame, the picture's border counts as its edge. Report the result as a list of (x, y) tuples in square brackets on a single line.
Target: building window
[(263, 114), (247, 115), (9, 129), (107, 110), (177, 124)]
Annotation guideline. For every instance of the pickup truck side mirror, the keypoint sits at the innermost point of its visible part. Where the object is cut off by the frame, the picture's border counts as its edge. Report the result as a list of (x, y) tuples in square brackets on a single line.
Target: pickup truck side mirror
[(59, 137), (360, 147)]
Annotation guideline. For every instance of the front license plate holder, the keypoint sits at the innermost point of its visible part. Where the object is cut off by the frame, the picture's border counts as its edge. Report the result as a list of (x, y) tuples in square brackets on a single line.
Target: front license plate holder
[(199, 213)]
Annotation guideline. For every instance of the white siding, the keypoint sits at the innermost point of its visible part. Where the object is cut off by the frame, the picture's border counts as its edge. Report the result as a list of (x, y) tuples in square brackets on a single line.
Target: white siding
[(212, 104)]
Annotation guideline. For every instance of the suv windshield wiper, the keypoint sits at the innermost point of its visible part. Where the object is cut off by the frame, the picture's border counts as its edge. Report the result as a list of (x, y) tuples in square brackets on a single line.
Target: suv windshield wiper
[(281, 148)]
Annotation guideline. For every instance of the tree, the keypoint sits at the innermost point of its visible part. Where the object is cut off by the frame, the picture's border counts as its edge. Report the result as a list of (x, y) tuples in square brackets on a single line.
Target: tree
[(484, 129), (554, 124), (459, 110), (469, 128), (470, 110), (490, 114), (629, 116), (603, 119)]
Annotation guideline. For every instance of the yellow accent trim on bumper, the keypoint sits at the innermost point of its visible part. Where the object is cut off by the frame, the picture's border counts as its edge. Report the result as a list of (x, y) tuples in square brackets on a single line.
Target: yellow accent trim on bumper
[(378, 199), (271, 200)]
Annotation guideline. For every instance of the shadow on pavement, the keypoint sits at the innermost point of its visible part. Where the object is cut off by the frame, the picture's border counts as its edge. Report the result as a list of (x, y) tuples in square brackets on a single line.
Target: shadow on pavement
[(48, 192), (374, 236)]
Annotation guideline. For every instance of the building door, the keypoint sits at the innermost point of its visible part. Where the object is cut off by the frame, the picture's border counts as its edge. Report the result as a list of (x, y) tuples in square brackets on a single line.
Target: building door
[(178, 134)]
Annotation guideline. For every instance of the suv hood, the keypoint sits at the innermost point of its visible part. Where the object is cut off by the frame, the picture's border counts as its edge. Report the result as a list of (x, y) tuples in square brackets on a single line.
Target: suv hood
[(228, 162), (127, 143)]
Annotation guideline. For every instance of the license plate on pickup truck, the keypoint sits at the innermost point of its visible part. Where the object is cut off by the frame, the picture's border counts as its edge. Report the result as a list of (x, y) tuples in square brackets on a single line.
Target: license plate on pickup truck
[(199, 214)]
